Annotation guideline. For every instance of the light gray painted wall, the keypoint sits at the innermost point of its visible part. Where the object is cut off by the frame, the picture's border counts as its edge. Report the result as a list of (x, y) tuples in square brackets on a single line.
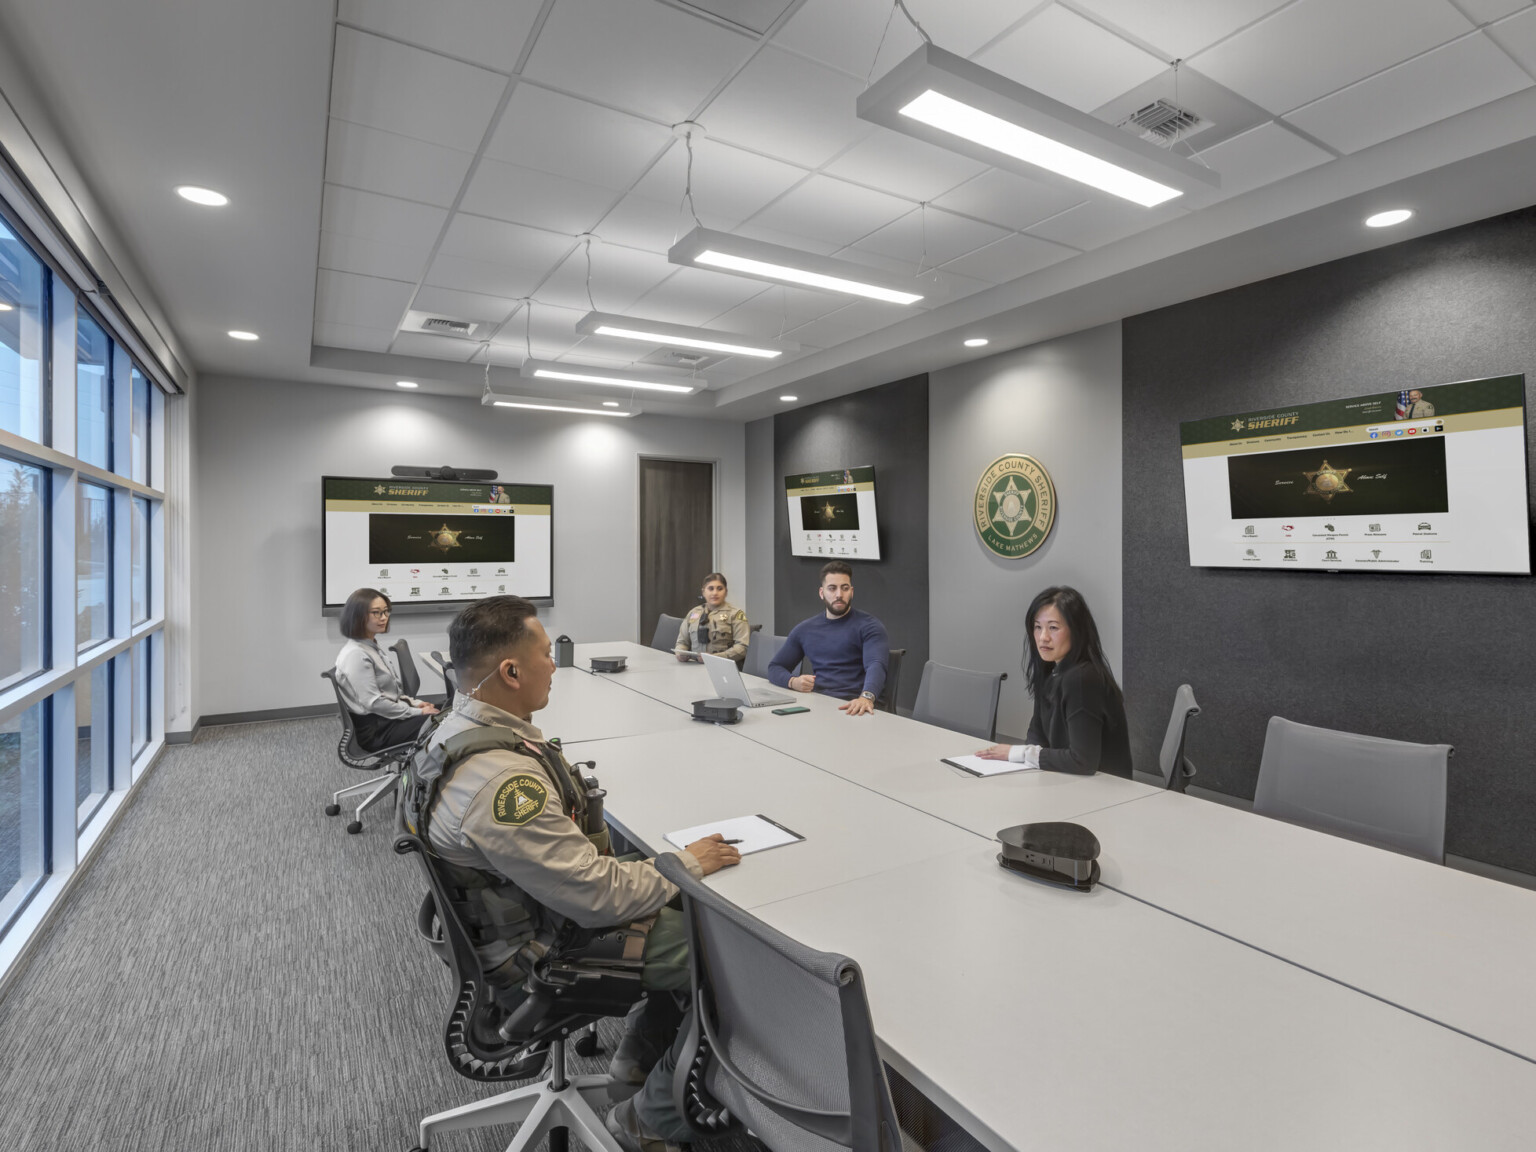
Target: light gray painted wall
[(1059, 402), (263, 446), (762, 494)]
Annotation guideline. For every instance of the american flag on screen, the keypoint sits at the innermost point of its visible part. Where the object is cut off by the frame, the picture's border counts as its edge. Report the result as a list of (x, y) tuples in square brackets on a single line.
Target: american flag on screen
[(1402, 404)]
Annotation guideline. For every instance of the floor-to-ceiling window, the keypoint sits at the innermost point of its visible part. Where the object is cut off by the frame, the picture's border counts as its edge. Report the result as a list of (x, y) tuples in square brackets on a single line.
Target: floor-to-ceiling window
[(81, 563)]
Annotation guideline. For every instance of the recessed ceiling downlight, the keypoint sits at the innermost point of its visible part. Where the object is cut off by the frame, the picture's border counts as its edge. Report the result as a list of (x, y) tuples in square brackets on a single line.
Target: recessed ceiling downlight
[(789, 399), (207, 197), (406, 384), (240, 334), (976, 342), (1387, 219)]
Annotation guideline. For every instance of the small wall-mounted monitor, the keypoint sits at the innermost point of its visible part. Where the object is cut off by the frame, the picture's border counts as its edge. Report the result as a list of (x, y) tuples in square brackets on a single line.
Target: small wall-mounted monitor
[(441, 543), (1422, 480), (832, 514)]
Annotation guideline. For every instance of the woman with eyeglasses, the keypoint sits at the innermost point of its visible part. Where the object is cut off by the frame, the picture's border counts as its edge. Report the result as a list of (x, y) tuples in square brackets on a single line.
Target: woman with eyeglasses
[(382, 714)]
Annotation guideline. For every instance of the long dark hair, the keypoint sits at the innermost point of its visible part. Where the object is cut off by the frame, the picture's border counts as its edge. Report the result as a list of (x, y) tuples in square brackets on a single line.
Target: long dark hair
[(1085, 648), (354, 614)]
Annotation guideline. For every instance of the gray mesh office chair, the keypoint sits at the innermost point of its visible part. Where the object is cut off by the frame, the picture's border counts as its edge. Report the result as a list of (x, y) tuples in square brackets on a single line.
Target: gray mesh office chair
[(780, 1037), (385, 760), (1177, 769), (664, 639), (760, 654), (450, 678), (959, 699), (886, 701), (410, 676), (1389, 793)]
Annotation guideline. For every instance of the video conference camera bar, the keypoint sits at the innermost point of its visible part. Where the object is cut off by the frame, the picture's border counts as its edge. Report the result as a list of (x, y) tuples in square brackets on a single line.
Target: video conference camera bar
[(443, 473)]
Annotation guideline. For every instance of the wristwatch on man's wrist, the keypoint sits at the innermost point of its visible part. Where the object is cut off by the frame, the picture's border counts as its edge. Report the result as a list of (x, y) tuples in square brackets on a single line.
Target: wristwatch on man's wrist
[(870, 696)]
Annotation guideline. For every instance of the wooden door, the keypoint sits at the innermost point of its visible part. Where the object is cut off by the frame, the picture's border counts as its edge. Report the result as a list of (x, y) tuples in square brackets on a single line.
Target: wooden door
[(677, 537)]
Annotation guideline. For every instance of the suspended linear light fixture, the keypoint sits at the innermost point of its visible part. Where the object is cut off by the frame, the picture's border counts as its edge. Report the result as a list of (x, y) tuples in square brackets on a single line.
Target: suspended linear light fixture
[(705, 248), (945, 100), (681, 336), (608, 377)]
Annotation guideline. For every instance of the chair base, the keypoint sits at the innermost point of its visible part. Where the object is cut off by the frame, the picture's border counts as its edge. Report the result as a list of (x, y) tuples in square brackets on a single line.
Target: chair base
[(560, 1105), (381, 785)]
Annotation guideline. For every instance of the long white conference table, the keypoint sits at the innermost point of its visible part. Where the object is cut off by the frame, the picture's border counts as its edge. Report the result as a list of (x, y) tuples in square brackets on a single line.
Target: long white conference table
[(1234, 982)]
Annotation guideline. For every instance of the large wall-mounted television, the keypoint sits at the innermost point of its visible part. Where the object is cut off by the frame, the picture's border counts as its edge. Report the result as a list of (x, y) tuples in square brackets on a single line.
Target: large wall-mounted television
[(832, 514), (1422, 480), (437, 543)]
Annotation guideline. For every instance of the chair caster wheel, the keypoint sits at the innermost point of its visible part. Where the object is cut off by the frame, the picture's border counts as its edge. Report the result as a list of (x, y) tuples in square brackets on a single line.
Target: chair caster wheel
[(333, 809), (587, 1045), (354, 828)]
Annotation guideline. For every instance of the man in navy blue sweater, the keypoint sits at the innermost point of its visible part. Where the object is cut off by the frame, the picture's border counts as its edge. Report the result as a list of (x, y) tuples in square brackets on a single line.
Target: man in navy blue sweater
[(848, 649)]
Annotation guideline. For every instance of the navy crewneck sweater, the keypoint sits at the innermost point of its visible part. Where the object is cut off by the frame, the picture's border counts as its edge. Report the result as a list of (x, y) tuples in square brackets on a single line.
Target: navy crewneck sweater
[(848, 655)]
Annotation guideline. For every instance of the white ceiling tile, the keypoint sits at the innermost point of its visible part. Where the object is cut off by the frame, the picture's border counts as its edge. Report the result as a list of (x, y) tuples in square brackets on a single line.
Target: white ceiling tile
[(847, 323), (1008, 199), (1517, 36), (371, 257), (485, 277), (639, 222), (353, 337), (362, 301), (1010, 258), (904, 166), (756, 231), (1464, 74), (639, 55), (933, 237), (1484, 11), (538, 199), (574, 138), (464, 305), (414, 93), (777, 310), (1180, 28), (403, 223), (489, 32), (832, 211), (941, 286), (1070, 59), (375, 161), (1095, 223), (844, 33), (1314, 47), (553, 330), (432, 347), (499, 242), (1261, 156), (620, 276), (729, 184), (788, 107), (696, 296)]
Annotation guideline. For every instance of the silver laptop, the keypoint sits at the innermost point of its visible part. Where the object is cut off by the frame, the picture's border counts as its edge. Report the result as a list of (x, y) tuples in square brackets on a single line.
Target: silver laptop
[(727, 680)]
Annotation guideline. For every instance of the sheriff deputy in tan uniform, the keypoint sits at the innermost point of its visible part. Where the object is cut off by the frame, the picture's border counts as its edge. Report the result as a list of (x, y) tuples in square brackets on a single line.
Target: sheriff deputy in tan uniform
[(506, 812), (715, 626)]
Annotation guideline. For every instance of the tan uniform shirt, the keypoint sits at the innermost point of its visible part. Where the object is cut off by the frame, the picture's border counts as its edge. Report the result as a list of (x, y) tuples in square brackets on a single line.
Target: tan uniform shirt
[(501, 812), (729, 632)]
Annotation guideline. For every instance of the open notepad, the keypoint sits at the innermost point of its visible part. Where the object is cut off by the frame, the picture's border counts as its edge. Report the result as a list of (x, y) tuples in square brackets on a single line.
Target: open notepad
[(755, 833), (976, 766)]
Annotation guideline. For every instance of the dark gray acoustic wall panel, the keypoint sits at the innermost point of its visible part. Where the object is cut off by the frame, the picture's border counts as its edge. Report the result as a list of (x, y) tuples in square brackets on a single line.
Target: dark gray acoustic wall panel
[(888, 428), (1429, 658)]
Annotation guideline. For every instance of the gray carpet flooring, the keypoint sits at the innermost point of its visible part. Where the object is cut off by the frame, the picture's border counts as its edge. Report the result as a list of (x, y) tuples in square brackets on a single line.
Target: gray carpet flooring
[(235, 972)]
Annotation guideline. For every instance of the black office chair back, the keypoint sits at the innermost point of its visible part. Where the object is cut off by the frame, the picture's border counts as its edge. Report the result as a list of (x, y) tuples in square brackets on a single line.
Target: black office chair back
[(886, 701), (760, 652), (1176, 766), (348, 750), (959, 699), (450, 679), (410, 676), (488, 1039), (664, 639), (781, 1037)]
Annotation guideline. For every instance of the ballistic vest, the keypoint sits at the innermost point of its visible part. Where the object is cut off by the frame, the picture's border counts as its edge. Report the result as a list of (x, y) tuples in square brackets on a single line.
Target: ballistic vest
[(492, 909)]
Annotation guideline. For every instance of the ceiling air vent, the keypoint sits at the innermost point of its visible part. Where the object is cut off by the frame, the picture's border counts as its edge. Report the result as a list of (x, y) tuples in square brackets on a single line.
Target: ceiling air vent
[(447, 327), (436, 325), (1163, 123)]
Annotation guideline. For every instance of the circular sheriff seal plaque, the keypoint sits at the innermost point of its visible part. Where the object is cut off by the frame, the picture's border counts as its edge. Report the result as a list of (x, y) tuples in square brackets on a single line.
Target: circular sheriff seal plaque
[(1015, 506)]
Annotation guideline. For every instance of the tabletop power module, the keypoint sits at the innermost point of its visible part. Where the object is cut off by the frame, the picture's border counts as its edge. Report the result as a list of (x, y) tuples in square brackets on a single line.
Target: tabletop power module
[(1056, 852)]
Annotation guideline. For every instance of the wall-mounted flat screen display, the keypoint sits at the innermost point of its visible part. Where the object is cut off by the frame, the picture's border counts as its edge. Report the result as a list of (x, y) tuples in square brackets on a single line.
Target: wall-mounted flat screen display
[(832, 514), (437, 542), (1426, 479)]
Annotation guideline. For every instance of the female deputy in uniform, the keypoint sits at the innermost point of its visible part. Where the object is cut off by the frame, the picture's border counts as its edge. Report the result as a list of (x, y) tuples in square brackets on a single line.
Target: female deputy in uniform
[(382, 714), (1079, 721), (715, 626)]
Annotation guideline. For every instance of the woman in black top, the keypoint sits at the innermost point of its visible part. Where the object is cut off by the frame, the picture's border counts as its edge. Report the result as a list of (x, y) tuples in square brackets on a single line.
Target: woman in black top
[(1079, 721)]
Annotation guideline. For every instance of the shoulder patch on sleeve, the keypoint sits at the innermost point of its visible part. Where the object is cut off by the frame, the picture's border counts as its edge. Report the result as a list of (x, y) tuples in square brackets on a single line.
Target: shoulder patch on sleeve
[(519, 800)]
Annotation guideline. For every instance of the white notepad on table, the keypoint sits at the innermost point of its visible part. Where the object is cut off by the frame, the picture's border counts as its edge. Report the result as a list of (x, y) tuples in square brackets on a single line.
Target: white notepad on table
[(976, 766), (756, 833)]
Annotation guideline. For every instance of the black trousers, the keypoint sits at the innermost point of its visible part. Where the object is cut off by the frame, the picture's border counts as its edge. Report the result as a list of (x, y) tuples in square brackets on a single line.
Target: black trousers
[(376, 732)]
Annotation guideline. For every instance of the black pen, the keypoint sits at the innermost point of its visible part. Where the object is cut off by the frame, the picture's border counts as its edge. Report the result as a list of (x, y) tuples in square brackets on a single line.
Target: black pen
[(730, 841)]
